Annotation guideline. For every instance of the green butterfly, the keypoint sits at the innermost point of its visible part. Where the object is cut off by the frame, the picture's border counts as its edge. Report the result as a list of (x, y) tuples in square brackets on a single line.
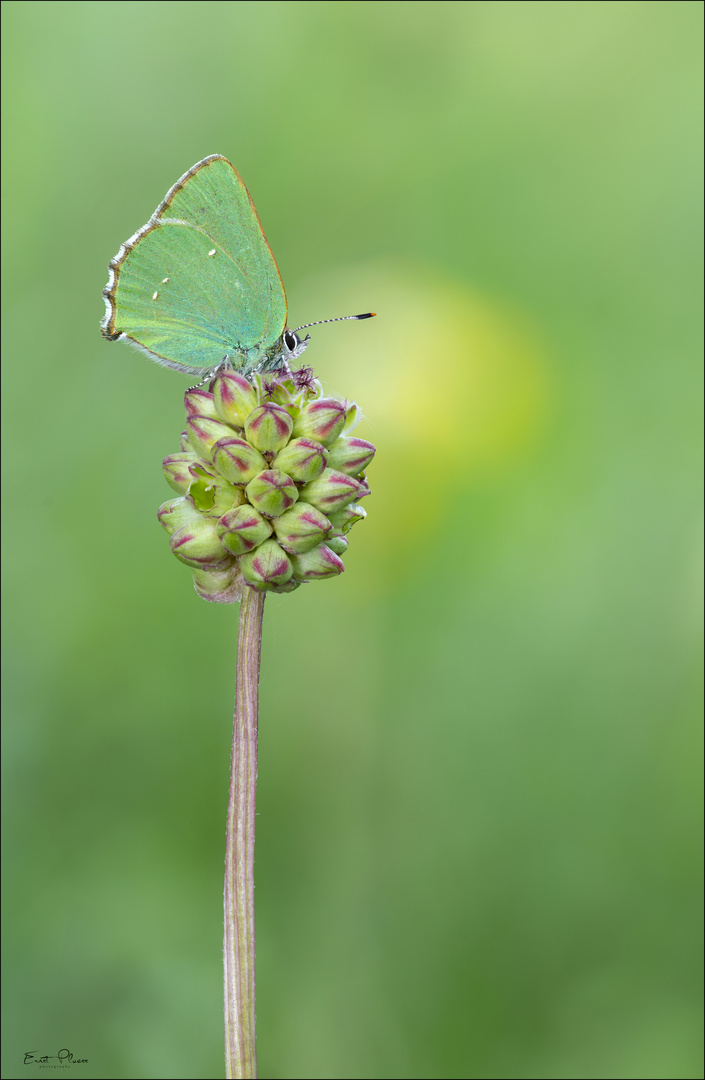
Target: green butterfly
[(197, 287)]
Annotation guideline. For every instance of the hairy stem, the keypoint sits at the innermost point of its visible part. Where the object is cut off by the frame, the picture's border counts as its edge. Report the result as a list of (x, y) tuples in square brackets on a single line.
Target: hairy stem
[(239, 895)]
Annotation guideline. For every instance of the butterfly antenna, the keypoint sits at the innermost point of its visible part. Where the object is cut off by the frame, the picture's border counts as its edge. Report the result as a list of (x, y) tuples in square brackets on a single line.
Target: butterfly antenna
[(342, 318)]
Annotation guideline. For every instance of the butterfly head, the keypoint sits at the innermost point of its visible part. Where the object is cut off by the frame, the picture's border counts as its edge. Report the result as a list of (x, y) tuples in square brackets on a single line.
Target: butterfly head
[(293, 345)]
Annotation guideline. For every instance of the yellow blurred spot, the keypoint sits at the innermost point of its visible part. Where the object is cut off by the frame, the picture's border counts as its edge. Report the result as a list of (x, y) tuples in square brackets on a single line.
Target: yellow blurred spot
[(453, 385)]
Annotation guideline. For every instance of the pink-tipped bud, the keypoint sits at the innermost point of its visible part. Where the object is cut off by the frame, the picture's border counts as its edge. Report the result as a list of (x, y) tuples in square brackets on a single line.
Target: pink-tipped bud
[(301, 528), (199, 402), (365, 488), (302, 459), (268, 427), (175, 513), (323, 420), (243, 529), (203, 433), (350, 456), (234, 398), (236, 460), (218, 586), (197, 544), (331, 491), (266, 565), (318, 563), (178, 472), (272, 492)]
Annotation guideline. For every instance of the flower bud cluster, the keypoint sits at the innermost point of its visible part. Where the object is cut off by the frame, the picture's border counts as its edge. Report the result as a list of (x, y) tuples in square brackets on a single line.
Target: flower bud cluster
[(268, 484)]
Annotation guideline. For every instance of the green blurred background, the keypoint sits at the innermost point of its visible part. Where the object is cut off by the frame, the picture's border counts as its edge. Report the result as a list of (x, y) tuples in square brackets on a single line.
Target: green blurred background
[(478, 847)]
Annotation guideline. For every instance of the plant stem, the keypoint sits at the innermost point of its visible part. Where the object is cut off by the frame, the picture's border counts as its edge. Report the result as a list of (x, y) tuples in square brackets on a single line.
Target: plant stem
[(239, 895)]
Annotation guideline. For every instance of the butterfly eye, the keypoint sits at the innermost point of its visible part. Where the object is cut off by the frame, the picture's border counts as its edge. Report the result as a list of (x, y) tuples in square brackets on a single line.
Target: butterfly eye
[(291, 340)]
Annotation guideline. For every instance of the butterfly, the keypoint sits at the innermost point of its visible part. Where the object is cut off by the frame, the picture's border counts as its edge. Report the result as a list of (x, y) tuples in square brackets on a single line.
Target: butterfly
[(197, 288)]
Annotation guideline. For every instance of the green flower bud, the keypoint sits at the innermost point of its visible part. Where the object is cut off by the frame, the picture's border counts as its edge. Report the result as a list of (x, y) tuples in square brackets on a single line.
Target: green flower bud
[(197, 544), (269, 427), (320, 562), (177, 470), (242, 529), (301, 528), (350, 456), (272, 492), (302, 459), (266, 565), (323, 420), (203, 433), (234, 398), (338, 544), (343, 520), (331, 491), (236, 460), (175, 513), (199, 402), (219, 586), (185, 443)]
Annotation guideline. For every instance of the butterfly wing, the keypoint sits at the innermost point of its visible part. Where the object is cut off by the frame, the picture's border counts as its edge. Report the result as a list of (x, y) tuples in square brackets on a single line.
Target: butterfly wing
[(198, 282)]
